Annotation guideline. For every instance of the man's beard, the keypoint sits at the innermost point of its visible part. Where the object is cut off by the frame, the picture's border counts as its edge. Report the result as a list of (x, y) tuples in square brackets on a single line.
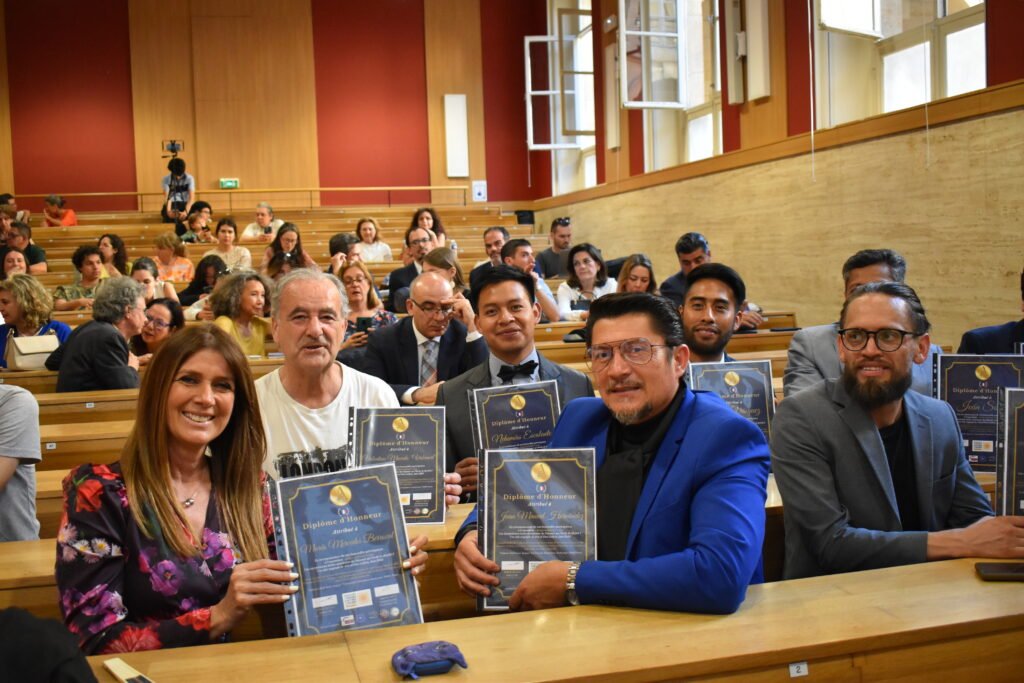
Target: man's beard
[(632, 417), (713, 350), (873, 393)]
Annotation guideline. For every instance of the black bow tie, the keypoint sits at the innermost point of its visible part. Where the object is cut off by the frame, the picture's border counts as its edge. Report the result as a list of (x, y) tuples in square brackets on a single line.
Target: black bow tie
[(509, 372)]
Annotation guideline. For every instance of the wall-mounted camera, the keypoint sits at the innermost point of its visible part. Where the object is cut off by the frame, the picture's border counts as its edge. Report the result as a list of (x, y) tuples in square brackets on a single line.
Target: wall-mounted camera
[(173, 147)]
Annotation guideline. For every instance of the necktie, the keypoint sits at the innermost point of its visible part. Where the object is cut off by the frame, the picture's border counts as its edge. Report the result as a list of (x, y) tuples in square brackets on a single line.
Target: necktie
[(507, 373), (428, 368)]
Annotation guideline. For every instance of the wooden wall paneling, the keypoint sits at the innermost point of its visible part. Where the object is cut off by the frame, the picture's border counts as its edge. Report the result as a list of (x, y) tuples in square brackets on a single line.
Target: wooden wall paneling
[(454, 65), (764, 121), (255, 98), (6, 151), (162, 97), (944, 199)]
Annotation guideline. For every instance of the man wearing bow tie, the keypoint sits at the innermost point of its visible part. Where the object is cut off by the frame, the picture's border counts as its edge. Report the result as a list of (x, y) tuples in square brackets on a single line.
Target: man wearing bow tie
[(506, 316)]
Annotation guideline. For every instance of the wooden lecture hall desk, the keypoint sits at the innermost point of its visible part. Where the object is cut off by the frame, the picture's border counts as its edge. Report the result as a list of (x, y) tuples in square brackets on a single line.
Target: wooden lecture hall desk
[(924, 622)]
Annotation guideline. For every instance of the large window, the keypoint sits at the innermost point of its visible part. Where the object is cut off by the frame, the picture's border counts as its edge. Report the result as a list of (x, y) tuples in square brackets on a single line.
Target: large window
[(878, 56)]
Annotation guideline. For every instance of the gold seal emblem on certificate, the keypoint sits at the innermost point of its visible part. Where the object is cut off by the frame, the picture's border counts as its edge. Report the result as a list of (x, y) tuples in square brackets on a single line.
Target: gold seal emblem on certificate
[(517, 402), (983, 372), (732, 378), (400, 424), (341, 495), (541, 472)]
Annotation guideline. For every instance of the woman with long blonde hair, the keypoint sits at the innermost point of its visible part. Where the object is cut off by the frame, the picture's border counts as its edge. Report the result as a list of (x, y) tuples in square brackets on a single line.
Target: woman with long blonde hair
[(170, 546)]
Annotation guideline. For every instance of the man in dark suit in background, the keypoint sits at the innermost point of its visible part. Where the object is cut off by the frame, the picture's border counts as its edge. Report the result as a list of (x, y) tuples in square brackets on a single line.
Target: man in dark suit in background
[(996, 338), (506, 315), (419, 242), (494, 240), (437, 341)]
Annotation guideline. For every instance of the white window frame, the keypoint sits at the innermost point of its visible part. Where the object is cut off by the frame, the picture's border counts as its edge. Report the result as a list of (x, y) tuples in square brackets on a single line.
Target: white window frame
[(554, 96), (567, 130), (678, 36)]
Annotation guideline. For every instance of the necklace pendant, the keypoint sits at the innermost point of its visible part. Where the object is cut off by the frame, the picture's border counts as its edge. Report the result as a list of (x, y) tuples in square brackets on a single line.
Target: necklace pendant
[(189, 502)]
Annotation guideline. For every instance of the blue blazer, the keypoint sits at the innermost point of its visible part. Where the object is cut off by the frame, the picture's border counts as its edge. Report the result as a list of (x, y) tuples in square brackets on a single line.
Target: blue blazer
[(696, 537), (994, 339)]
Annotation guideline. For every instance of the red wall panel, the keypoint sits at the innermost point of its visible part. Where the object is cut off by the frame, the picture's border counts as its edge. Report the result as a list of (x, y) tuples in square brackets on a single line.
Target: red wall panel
[(798, 75), (69, 70), (371, 98), (512, 172), (730, 112), (1003, 21)]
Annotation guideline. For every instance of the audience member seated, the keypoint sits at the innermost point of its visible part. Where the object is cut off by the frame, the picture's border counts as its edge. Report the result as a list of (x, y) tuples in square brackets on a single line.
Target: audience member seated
[(172, 260), (164, 317), (238, 304), (419, 242), (8, 203), (444, 261), (342, 248), (813, 355), (96, 355), (506, 315), (168, 547), (26, 307), (55, 214), (208, 271), (179, 190), (6, 221), (711, 312), (363, 305), (19, 237), (874, 475), (89, 263), (428, 219), (680, 480), (637, 275), (374, 248), (587, 281), (437, 341), (114, 255), (289, 243), (494, 240), (518, 253), (233, 255), (19, 453), (200, 308), (14, 263), (147, 274), (554, 261), (263, 228), (197, 230), (281, 264), (1003, 338)]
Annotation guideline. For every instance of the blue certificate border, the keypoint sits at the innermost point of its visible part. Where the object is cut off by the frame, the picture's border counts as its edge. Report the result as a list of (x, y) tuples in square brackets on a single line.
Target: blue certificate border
[(484, 395), (749, 365)]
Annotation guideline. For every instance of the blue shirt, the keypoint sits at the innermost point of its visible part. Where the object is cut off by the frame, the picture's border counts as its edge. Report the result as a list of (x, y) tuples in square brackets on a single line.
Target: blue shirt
[(60, 329)]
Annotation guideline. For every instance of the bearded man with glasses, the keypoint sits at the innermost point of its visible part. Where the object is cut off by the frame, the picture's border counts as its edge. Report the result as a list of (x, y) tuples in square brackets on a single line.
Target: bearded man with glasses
[(873, 474), (680, 481)]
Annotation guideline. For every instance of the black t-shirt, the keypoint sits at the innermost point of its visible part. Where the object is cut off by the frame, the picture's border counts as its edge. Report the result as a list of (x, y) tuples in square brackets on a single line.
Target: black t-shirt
[(899, 452)]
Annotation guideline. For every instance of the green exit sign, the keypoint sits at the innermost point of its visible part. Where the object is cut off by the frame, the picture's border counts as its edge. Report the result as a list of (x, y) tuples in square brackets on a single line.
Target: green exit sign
[(229, 183)]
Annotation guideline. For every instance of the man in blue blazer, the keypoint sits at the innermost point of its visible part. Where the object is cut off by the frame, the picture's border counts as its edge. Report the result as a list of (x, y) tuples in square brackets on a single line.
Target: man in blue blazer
[(996, 338), (399, 353), (873, 474), (680, 481)]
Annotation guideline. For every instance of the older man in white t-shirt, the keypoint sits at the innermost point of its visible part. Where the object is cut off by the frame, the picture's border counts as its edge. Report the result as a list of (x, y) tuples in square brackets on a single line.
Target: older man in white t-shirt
[(304, 404)]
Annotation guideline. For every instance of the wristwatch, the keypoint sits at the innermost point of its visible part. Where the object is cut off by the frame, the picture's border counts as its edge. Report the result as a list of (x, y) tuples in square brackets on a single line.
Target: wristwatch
[(570, 584)]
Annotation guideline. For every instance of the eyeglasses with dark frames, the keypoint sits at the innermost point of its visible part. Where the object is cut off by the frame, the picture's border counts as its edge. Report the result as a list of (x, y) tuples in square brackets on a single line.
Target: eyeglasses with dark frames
[(886, 339), (433, 309)]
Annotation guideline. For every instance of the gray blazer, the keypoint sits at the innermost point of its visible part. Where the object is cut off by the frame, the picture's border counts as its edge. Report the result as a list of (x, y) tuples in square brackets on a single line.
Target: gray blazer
[(840, 505), (813, 357), (454, 397)]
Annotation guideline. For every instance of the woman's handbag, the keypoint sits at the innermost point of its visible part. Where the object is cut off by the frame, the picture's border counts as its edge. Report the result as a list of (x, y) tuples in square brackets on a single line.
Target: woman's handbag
[(29, 353)]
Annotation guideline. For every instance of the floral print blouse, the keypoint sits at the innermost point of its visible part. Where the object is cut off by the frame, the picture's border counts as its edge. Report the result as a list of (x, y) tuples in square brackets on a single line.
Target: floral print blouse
[(121, 591), (380, 318)]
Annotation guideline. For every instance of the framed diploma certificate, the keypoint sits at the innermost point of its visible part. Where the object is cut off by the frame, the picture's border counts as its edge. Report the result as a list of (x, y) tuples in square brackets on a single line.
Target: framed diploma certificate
[(514, 415), (345, 533), (971, 384), (745, 385), (535, 506), (1010, 464), (412, 439)]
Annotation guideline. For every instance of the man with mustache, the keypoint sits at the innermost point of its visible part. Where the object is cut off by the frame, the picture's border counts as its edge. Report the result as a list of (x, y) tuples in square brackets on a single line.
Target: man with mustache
[(711, 311), (873, 474), (506, 315), (680, 479)]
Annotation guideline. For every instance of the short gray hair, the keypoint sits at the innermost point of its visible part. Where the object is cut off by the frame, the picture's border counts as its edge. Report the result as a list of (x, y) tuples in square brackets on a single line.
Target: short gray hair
[(267, 206), (226, 298), (302, 275), (115, 296), (54, 200)]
